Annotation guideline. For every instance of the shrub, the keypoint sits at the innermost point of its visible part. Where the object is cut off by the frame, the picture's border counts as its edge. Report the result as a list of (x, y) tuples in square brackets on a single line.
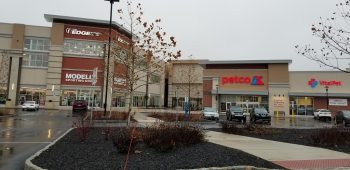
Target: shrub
[(229, 127), (171, 117), (166, 137), (125, 138), (331, 136), (115, 115)]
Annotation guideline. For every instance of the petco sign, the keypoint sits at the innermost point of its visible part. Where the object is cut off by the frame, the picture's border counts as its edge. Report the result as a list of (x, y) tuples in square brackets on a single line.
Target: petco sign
[(314, 83), (75, 31), (255, 80)]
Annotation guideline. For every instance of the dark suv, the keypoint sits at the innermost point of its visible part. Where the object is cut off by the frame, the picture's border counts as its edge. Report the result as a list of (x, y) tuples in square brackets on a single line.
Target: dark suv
[(260, 114), (79, 105), (235, 113)]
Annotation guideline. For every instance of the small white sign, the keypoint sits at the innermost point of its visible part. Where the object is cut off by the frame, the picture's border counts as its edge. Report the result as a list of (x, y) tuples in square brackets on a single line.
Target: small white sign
[(338, 102)]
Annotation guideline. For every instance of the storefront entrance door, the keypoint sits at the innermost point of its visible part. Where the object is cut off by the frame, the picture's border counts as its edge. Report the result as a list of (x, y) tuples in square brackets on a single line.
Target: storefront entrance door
[(228, 105)]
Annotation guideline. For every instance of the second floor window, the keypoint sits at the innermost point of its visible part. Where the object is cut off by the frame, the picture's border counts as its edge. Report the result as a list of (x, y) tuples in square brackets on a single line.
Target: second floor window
[(83, 47), (36, 44), (35, 60)]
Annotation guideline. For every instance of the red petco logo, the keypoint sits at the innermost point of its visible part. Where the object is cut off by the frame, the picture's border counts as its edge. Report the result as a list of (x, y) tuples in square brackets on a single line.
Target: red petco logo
[(255, 80)]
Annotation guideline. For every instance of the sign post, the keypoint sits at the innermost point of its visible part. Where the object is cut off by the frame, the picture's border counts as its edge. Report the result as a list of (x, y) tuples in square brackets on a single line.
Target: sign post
[(187, 108)]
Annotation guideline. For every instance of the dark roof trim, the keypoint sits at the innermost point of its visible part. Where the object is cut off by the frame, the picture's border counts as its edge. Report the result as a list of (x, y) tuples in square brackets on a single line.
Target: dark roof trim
[(247, 62), (68, 19)]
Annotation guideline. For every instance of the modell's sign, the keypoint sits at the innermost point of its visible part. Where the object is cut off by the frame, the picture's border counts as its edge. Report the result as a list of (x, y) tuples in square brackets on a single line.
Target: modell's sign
[(80, 78), (255, 80), (75, 31), (314, 83)]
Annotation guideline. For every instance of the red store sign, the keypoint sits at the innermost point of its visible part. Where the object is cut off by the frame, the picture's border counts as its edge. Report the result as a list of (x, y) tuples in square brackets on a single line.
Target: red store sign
[(255, 80), (83, 78)]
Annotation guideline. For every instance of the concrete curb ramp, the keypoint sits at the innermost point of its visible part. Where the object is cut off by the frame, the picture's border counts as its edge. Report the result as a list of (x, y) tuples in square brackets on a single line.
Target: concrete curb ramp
[(30, 166), (290, 156)]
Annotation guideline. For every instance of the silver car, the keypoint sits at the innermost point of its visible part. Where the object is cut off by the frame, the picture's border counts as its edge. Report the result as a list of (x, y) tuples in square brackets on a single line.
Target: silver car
[(210, 113), (30, 105)]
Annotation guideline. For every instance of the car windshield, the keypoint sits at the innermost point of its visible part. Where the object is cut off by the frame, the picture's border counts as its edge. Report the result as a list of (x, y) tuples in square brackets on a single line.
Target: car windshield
[(209, 109), (260, 110), (29, 102), (346, 113), (236, 109)]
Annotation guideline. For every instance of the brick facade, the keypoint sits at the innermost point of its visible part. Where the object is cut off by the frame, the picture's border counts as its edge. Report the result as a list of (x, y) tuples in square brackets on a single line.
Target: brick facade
[(321, 103), (207, 96)]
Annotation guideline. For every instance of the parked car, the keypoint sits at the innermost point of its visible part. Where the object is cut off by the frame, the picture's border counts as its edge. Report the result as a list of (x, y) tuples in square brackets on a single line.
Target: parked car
[(79, 105), (30, 105), (342, 116), (301, 110), (260, 114), (235, 113), (210, 113), (323, 114)]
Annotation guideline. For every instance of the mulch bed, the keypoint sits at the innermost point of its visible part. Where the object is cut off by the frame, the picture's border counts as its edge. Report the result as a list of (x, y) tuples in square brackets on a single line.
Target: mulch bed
[(171, 117), (97, 153)]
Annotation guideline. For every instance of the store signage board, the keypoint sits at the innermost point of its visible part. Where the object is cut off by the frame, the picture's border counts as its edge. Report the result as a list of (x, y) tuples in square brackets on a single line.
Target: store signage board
[(75, 31), (338, 102), (313, 83), (254, 80), (76, 77)]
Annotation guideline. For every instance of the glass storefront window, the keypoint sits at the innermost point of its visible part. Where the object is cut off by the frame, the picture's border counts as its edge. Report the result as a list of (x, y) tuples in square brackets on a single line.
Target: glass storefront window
[(32, 94), (196, 103), (302, 105), (118, 99), (241, 101), (93, 97)]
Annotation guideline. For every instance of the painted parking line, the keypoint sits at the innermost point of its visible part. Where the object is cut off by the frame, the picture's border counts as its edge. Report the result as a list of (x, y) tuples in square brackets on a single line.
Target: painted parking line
[(23, 142)]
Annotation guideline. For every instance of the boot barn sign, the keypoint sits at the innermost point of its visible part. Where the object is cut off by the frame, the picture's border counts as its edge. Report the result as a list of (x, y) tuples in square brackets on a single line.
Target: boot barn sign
[(78, 78)]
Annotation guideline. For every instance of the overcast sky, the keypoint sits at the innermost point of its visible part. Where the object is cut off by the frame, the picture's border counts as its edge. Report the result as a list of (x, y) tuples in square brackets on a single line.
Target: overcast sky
[(215, 29)]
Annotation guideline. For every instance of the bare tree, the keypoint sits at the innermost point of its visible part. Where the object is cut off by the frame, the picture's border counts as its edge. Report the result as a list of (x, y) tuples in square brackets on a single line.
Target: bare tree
[(334, 33), (146, 53), (4, 73)]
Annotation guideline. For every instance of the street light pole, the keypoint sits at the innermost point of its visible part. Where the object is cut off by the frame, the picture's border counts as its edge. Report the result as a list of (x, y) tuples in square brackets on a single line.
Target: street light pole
[(109, 51), (327, 96)]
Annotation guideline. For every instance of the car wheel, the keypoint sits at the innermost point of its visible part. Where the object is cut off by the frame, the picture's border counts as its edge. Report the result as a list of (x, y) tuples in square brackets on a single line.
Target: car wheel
[(344, 123), (318, 118)]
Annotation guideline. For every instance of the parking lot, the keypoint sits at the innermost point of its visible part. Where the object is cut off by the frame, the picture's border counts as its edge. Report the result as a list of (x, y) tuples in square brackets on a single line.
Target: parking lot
[(28, 132)]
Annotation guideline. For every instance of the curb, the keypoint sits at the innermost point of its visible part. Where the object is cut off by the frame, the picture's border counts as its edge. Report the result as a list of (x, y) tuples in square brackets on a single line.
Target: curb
[(28, 163), (232, 168)]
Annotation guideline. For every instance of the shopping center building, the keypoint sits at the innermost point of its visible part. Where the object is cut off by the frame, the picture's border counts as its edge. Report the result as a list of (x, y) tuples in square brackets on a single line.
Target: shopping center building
[(258, 83), (54, 66)]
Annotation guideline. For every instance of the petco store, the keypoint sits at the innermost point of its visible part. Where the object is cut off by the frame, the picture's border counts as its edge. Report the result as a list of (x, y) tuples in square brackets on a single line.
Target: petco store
[(312, 90), (246, 84)]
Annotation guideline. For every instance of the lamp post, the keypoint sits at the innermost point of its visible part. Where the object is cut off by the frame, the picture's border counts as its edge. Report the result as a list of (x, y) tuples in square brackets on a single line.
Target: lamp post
[(109, 51), (327, 96), (217, 97)]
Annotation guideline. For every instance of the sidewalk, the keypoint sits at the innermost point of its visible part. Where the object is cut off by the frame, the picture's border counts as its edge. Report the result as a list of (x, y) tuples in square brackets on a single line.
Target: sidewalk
[(143, 120), (290, 156)]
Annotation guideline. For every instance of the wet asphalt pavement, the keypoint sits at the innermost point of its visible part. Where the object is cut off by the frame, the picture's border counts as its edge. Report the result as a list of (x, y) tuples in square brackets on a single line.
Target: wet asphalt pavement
[(27, 132)]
